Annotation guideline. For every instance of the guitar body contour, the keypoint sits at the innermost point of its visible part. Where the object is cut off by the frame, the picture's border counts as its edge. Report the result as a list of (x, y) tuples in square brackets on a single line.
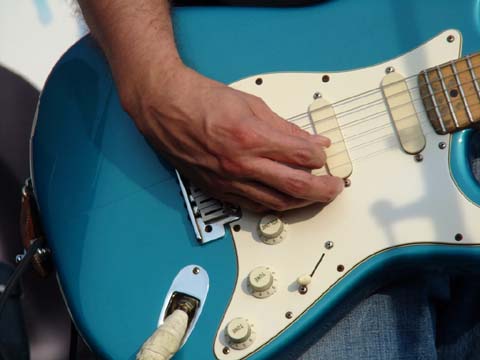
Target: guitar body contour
[(116, 222)]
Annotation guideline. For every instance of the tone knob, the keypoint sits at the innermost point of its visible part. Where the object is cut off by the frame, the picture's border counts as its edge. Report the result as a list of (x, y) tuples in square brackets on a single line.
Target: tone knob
[(261, 282), (271, 229), (239, 333)]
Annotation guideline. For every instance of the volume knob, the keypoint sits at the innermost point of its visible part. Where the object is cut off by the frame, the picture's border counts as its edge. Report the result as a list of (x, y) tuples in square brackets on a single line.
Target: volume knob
[(261, 282), (239, 333), (271, 229)]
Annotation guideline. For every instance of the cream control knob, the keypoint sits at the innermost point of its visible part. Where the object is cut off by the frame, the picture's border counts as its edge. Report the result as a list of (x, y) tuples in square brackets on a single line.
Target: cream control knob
[(261, 282), (239, 333), (304, 280), (271, 229)]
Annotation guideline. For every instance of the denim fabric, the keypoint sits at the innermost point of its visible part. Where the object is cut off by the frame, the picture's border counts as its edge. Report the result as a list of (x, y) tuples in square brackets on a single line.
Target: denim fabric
[(431, 317)]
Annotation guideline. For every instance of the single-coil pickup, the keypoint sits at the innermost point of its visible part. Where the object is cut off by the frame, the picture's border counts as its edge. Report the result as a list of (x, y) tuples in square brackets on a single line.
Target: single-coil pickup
[(324, 122), (403, 113)]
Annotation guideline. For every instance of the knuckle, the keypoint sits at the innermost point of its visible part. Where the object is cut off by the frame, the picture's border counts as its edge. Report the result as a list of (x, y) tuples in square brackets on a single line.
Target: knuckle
[(303, 156), (244, 137), (299, 185), (232, 167)]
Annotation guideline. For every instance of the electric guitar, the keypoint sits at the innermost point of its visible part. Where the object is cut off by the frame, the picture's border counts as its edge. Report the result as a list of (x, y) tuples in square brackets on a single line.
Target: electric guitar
[(389, 82)]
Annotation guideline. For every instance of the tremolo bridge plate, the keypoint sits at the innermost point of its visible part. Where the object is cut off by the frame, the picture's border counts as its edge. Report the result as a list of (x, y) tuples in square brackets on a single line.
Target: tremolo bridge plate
[(207, 214)]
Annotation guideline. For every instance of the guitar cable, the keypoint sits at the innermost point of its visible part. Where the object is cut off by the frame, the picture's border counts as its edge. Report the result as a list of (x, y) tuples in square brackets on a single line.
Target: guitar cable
[(19, 271)]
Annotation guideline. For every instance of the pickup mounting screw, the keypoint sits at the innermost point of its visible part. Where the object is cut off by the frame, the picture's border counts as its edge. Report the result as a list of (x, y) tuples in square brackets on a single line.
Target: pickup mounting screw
[(302, 290), (390, 69), (196, 270), (347, 182), (226, 350), (328, 245), (442, 145), (450, 38), (419, 157)]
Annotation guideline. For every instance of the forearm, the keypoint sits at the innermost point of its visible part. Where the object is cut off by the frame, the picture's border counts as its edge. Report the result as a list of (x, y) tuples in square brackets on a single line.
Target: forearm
[(136, 36)]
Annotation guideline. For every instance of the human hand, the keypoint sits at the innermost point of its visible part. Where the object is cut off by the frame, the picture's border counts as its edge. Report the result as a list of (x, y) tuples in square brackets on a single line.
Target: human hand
[(228, 142)]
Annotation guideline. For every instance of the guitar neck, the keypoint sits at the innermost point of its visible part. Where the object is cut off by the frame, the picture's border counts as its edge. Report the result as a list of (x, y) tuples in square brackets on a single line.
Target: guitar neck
[(451, 94)]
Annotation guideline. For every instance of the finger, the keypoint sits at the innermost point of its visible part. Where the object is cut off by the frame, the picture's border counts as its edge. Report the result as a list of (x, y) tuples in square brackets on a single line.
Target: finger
[(293, 150), (267, 197), (296, 183), (261, 109)]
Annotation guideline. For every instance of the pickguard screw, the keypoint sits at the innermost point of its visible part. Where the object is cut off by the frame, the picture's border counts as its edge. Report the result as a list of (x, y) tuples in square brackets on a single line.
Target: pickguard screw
[(328, 245), (317, 95), (259, 81), (288, 314), (236, 228), (458, 237), (226, 350), (347, 182), (390, 69), (325, 78), (340, 268), (302, 290), (450, 38), (196, 270), (442, 145), (418, 157)]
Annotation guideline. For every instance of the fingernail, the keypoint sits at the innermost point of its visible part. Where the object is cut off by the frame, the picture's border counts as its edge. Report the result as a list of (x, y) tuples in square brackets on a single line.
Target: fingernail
[(340, 185)]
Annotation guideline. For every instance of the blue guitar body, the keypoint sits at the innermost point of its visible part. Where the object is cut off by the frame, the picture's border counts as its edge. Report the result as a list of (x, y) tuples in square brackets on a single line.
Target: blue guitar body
[(111, 207)]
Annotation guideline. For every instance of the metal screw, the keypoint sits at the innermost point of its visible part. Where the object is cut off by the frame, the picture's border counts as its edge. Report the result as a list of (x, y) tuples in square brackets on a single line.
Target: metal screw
[(259, 81), (347, 182), (340, 268), (19, 258), (325, 78), (442, 145), (288, 314), (390, 69), (196, 270), (226, 350), (317, 95), (303, 289), (450, 38), (418, 157), (458, 237), (328, 245)]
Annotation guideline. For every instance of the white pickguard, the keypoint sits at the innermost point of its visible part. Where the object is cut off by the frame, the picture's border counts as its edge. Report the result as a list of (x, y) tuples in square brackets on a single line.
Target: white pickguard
[(393, 200)]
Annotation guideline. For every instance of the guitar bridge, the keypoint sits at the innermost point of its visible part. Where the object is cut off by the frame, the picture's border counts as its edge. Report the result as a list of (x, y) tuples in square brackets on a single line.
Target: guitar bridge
[(207, 214)]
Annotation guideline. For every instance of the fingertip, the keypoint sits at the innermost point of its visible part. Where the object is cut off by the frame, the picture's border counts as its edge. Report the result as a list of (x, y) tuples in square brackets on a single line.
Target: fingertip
[(322, 140)]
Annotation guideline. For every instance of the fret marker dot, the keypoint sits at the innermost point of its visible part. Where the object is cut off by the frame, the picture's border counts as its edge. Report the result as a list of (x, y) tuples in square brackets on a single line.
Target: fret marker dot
[(454, 93)]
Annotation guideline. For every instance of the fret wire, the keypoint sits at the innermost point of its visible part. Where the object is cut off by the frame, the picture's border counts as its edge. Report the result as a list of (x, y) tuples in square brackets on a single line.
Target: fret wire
[(462, 93), (447, 96), (435, 105), (472, 74)]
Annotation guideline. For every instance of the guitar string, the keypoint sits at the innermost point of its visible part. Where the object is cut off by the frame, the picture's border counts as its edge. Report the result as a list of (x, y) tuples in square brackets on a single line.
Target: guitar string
[(306, 115), (381, 101), (388, 122), (375, 91), (379, 113), (392, 134)]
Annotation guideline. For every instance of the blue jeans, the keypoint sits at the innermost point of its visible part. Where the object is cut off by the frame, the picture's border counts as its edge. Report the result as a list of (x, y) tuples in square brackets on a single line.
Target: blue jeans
[(431, 317)]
